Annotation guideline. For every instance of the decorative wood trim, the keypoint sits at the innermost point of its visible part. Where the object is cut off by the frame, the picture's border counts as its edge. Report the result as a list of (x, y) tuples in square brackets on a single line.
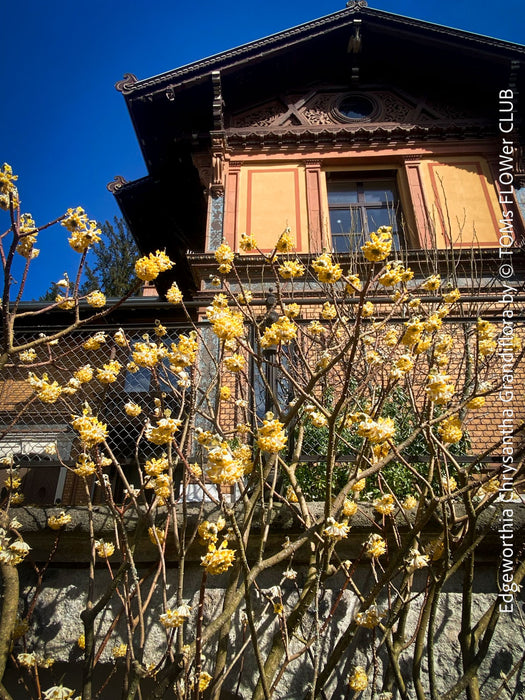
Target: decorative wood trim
[(314, 205), (230, 206), (419, 204)]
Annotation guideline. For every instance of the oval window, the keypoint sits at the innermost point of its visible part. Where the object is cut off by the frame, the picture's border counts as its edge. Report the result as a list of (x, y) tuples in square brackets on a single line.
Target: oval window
[(356, 107)]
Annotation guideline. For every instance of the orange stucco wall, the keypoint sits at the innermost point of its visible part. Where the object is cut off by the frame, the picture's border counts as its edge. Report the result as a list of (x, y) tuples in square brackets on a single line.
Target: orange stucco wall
[(445, 198)]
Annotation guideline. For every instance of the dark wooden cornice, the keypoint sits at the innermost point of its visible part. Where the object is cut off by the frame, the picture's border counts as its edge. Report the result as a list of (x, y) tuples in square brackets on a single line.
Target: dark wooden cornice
[(238, 56)]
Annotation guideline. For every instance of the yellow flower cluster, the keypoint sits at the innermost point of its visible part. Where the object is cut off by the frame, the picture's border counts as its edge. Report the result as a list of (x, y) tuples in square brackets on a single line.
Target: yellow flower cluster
[(292, 310), (104, 549), (226, 324), (245, 297), (209, 532), (349, 508), (28, 234), (327, 271), (84, 374), (225, 393), (7, 179), (83, 232), (328, 312), (14, 552), (402, 365), (433, 323), (353, 284), (377, 431), (223, 468), (156, 534), (184, 352), (476, 403), (370, 617), (84, 466), (247, 243), (55, 522), (315, 328), (450, 430), (235, 363), (290, 269), (452, 296), (108, 373), (282, 331), (217, 561), (225, 256), (27, 355), (95, 341), (120, 651), (432, 283), (132, 409), (96, 299), (175, 618), (416, 560), (414, 329), (375, 546), (285, 242), (65, 302), (439, 389), (410, 502), (336, 531), (395, 273), (163, 432), (271, 436), (120, 338), (367, 310), (380, 244), (149, 267), (486, 333), (156, 465), (174, 295), (91, 431), (358, 680), (59, 692), (47, 391), (148, 354), (291, 496), (385, 505)]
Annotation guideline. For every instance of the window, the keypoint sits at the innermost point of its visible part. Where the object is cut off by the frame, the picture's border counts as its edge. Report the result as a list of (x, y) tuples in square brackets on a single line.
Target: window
[(359, 204)]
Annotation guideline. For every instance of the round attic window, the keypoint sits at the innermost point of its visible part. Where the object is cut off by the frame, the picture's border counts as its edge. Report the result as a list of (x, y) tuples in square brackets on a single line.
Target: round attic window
[(356, 108)]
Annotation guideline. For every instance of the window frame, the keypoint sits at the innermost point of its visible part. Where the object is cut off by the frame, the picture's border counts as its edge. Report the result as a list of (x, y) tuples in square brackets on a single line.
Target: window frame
[(361, 208)]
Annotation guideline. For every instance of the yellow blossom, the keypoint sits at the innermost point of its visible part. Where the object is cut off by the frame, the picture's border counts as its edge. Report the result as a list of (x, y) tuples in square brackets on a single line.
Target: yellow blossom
[(174, 295), (91, 431), (282, 331), (149, 267), (7, 179), (84, 466), (292, 310), (327, 271), (285, 242), (120, 338), (476, 403), (358, 680), (450, 430), (245, 297), (120, 651), (235, 363), (377, 431), (223, 468), (432, 283), (359, 485), (368, 309), (104, 549), (47, 391), (27, 355), (147, 354), (96, 299), (328, 312), (353, 284), (290, 269), (271, 436), (247, 242), (164, 431), (349, 508), (81, 641), (336, 531), (132, 409), (416, 560), (452, 296), (84, 374), (175, 618), (217, 561), (370, 617), (55, 522), (156, 465), (449, 484), (108, 374), (225, 393), (379, 246), (291, 496), (385, 505), (95, 341), (225, 257), (315, 328), (410, 502), (414, 329), (375, 546)]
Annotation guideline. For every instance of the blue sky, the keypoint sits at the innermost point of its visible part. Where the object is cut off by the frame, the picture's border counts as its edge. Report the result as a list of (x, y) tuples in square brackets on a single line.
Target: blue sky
[(66, 130)]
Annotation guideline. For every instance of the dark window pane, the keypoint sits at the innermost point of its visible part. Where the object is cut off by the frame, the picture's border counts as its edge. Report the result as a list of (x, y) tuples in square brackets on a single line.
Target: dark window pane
[(380, 216), (345, 221), (342, 193), (378, 192)]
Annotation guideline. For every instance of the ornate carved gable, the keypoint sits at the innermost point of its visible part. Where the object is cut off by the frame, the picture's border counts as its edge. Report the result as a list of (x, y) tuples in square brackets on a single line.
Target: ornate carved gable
[(335, 107)]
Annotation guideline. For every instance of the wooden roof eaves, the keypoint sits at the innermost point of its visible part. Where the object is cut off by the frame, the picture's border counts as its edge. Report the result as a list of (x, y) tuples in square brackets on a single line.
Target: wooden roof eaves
[(199, 70)]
